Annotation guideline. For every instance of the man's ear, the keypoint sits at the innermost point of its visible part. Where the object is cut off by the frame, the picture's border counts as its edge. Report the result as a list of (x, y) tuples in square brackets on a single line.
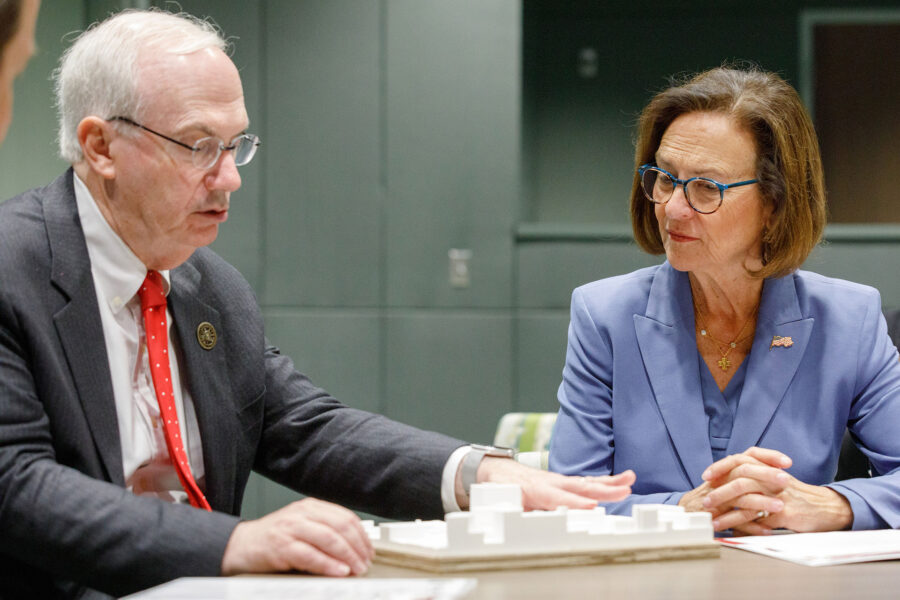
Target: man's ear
[(94, 136)]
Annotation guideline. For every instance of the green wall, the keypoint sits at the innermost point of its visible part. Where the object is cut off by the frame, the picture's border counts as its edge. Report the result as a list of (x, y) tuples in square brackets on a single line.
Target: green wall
[(395, 130), (28, 155)]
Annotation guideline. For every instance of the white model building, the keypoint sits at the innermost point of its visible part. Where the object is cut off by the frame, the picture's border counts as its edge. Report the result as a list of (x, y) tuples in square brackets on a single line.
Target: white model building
[(496, 526)]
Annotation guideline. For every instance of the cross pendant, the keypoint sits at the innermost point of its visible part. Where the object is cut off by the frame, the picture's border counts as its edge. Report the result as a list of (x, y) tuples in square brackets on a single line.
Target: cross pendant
[(724, 363)]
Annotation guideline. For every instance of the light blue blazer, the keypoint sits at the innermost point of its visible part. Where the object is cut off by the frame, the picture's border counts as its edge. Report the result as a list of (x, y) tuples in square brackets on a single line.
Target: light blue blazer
[(630, 396)]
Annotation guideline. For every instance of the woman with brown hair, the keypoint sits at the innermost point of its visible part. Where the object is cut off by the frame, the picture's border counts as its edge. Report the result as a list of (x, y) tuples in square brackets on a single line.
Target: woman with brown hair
[(17, 21), (725, 377)]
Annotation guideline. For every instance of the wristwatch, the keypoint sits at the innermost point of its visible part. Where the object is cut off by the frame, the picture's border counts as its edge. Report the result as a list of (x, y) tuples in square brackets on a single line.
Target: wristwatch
[(473, 459)]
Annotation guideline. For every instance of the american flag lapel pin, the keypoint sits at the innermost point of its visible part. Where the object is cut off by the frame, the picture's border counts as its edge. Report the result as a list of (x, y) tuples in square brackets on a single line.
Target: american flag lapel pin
[(782, 341)]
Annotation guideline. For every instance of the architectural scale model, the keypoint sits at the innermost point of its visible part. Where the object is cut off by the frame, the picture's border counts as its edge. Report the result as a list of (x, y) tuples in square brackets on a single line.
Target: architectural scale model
[(497, 533)]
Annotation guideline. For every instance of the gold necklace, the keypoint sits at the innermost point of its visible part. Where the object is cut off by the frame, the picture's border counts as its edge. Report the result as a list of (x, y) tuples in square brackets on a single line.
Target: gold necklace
[(723, 362), (733, 344)]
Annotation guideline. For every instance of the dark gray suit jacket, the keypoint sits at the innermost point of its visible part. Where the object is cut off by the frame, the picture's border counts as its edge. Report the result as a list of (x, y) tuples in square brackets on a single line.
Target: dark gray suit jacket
[(66, 522)]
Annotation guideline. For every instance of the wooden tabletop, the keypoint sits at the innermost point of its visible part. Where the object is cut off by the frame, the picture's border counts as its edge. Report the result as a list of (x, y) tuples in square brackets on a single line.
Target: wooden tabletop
[(735, 575)]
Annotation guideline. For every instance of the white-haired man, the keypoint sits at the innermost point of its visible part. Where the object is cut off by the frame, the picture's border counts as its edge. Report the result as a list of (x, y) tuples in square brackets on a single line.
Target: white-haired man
[(121, 467)]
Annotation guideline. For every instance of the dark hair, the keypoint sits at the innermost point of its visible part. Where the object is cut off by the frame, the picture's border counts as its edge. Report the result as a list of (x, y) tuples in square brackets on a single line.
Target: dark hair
[(788, 163), (9, 21)]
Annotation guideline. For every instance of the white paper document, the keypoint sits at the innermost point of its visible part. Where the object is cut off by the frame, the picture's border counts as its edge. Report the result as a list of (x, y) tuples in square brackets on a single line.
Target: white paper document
[(307, 588), (824, 549)]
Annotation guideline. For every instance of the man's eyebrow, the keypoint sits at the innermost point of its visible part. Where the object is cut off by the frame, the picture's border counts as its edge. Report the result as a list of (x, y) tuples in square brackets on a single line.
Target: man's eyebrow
[(191, 127), (205, 129)]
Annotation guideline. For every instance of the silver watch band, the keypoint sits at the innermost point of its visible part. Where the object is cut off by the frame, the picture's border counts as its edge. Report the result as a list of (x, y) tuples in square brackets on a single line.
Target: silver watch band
[(469, 468)]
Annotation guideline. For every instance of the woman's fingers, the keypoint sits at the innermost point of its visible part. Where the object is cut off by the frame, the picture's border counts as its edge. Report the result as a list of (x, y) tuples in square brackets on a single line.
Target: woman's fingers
[(763, 456), (747, 479), (752, 507)]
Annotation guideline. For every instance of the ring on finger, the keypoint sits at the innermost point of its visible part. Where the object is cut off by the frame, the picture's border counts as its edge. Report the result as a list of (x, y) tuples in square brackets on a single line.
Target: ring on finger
[(761, 515)]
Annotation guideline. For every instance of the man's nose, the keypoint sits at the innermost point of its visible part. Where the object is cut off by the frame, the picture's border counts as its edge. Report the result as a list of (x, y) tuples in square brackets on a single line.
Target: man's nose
[(224, 174)]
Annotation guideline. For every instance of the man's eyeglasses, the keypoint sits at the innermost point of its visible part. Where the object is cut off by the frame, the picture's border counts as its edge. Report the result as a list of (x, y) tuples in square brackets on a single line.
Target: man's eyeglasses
[(703, 194), (206, 151)]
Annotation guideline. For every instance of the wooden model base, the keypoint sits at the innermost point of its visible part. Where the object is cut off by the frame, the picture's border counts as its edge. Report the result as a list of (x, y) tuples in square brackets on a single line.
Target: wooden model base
[(496, 533), (434, 561)]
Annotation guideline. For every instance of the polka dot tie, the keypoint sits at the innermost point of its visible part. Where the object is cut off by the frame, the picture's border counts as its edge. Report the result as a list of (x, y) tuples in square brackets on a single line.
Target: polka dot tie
[(153, 307)]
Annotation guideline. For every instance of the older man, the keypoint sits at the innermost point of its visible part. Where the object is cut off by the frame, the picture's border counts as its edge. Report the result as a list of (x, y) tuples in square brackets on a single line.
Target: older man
[(137, 390)]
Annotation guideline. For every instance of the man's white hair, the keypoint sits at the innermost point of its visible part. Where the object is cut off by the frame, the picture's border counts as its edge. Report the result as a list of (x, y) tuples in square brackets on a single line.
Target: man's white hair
[(98, 74)]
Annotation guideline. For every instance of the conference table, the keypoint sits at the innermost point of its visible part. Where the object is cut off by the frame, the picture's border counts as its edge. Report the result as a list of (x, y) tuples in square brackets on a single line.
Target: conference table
[(735, 575)]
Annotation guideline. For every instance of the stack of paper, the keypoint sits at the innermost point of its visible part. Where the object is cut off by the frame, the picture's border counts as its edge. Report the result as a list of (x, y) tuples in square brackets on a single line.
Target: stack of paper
[(823, 549), (307, 588)]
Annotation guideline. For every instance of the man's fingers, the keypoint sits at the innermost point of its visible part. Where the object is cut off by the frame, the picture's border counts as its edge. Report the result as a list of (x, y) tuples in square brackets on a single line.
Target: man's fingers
[(354, 533), (548, 491), (602, 488), (305, 557), (308, 535), (543, 490), (546, 498), (553, 499), (328, 541), (625, 478), (345, 523)]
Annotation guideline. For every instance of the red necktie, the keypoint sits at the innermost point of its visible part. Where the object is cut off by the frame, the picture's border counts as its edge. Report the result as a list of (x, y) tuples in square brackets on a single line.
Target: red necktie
[(153, 307)]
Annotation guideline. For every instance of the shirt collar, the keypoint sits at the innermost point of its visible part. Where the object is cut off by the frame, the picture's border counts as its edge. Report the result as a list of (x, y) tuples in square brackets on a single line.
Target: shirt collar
[(117, 271)]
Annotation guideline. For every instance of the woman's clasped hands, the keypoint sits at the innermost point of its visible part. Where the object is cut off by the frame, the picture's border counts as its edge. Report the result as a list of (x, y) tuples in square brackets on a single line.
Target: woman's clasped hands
[(752, 494)]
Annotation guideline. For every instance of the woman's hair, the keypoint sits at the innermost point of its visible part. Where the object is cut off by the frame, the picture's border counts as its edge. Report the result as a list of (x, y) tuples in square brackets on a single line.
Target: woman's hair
[(788, 163), (99, 73), (9, 21)]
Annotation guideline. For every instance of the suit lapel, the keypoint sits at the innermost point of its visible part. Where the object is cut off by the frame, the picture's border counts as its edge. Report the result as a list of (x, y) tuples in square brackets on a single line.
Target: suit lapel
[(78, 324), (771, 369), (205, 374), (669, 352)]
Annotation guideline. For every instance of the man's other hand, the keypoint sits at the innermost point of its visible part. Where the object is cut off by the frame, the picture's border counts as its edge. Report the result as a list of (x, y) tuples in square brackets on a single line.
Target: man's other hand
[(309, 535), (543, 490)]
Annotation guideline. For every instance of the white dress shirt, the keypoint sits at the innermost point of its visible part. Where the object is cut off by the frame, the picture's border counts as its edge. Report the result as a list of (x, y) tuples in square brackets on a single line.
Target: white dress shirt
[(118, 273)]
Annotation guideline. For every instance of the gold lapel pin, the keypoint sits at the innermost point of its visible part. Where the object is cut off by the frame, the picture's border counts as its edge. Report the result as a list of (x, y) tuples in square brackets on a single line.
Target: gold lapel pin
[(206, 335), (782, 341)]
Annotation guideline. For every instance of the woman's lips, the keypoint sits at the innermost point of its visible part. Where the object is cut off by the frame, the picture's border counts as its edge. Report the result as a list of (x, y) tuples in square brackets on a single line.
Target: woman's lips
[(678, 237)]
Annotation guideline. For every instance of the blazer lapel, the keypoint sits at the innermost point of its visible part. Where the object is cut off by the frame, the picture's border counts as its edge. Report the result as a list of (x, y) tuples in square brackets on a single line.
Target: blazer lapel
[(78, 324), (205, 373), (669, 351), (771, 369)]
